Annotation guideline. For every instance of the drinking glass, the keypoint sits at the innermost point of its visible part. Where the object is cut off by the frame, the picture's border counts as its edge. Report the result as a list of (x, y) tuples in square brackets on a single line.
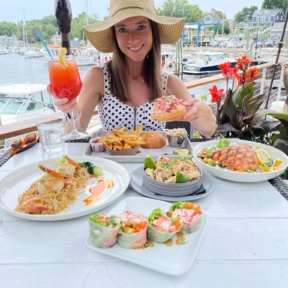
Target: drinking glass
[(66, 83)]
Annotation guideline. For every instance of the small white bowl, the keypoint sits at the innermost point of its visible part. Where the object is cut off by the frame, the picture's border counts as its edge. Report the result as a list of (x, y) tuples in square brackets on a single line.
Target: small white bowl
[(96, 145), (171, 189)]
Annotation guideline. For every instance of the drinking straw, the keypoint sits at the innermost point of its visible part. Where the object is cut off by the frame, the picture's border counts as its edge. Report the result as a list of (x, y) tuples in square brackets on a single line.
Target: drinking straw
[(43, 42)]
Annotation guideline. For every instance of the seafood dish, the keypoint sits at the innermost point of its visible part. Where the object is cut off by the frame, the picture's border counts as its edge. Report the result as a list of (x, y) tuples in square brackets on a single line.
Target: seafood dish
[(239, 157), (56, 190), (169, 170), (162, 227), (189, 213), (104, 230), (133, 230)]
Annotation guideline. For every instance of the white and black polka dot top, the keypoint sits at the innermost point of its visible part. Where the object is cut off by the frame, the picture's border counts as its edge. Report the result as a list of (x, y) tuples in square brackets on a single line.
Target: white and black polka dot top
[(115, 114)]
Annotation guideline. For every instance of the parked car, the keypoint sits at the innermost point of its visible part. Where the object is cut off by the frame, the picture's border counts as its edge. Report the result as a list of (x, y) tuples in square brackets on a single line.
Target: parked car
[(270, 43), (259, 44), (215, 43), (231, 45), (239, 45), (223, 44)]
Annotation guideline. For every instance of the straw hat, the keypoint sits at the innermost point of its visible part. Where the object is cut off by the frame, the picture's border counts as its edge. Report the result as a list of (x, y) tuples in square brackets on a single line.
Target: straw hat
[(100, 34)]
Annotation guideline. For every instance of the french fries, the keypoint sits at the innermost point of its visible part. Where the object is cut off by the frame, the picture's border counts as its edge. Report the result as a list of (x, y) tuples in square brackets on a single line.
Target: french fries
[(123, 140)]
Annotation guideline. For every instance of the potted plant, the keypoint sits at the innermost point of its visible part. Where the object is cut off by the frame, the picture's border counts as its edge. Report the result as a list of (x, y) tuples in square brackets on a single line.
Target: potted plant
[(238, 110)]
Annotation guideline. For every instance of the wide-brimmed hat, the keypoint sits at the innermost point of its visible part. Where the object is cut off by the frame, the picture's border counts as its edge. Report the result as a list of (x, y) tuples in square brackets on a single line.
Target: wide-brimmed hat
[(100, 34)]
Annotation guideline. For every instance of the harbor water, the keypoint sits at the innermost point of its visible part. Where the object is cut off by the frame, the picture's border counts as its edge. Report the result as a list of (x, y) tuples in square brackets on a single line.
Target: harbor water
[(15, 68)]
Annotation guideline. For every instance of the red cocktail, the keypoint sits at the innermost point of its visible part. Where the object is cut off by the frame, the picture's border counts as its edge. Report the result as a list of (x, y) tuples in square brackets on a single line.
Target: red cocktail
[(65, 82)]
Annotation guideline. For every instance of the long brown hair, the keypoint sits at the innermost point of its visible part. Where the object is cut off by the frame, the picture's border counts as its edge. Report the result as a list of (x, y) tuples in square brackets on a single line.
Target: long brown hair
[(152, 69)]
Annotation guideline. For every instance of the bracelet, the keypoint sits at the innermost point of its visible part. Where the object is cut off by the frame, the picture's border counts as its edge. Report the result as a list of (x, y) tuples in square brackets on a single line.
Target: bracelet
[(68, 117)]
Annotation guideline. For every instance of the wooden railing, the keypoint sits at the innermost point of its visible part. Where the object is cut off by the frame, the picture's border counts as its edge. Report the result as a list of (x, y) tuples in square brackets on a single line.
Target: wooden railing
[(28, 125)]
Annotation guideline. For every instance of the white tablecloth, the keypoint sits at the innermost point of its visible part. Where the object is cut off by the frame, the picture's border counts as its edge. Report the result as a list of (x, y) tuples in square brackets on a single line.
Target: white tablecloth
[(245, 244)]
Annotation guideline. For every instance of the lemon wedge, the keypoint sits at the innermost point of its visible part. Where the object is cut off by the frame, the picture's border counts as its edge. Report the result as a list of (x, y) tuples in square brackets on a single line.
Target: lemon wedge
[(62, 57), (183, 152), (264, 157)]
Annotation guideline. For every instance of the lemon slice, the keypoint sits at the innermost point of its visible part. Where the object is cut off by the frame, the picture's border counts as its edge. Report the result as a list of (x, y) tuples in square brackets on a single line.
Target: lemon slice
[(183, 152), (62, 57), (264, 158)]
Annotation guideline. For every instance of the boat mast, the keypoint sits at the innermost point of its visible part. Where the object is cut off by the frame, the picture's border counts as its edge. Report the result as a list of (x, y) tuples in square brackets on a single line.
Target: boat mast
[(24, 31)]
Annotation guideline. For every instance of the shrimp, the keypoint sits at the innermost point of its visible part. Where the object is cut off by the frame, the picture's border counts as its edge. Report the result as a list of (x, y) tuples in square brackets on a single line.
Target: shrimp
[(188, 168), (67, 167), (161, 171), (52, 181), (33, 206)]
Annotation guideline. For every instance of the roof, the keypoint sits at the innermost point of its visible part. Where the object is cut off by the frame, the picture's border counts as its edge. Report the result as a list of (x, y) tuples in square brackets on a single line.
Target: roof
[(278, 27), (22, 89)]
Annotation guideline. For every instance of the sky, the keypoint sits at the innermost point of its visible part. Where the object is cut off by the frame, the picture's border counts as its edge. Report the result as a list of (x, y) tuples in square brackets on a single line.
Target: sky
[(18, 10)]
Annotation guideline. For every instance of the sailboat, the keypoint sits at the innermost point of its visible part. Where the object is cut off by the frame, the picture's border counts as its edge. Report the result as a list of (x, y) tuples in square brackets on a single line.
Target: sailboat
[(29, 52)]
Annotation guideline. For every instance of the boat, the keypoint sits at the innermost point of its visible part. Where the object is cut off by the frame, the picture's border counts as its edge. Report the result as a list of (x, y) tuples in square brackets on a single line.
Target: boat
[(208, 62), (82, 56), (24, 101), (31, 53)]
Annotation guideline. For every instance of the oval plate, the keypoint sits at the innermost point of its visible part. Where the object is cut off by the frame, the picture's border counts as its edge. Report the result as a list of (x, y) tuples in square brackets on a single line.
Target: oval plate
[(241, 176), (18, 181)]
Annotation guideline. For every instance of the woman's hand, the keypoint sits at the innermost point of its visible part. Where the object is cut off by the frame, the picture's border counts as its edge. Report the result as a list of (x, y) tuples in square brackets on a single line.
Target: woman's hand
[(201, 117), (63, 104)]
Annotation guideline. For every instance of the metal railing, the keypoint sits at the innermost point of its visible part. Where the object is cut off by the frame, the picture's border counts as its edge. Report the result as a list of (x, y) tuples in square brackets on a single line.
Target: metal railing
[(261, 85)]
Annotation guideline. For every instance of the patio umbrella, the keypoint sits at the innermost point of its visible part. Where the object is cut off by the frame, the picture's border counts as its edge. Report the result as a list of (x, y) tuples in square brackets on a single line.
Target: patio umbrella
[(280, 45)]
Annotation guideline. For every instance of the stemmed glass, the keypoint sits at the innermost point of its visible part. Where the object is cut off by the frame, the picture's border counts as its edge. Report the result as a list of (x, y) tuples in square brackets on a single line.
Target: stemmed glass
[(66, 83)]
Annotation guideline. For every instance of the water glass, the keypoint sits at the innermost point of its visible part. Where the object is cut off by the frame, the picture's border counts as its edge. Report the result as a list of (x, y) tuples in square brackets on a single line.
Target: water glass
[(51, 135)]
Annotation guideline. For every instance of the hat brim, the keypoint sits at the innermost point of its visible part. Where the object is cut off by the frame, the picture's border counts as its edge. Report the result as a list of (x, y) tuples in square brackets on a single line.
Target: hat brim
[(100, 34)]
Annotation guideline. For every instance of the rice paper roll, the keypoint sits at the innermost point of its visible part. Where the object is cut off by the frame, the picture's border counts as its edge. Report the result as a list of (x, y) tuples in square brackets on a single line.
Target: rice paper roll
[(133, 230), (161, 227), (103, 230), (190, 213)]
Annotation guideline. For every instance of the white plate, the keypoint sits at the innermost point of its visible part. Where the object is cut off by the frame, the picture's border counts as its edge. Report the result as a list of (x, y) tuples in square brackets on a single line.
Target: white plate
[(18, 181), (137, 185), (241, 176), (175, 260)]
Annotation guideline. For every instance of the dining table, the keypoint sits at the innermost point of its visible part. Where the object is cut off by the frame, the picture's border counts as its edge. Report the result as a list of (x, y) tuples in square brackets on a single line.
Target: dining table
[(245, 243)]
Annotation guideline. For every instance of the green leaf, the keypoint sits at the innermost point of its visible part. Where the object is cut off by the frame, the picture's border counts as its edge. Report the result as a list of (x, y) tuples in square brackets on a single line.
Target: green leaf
[(251, 107)]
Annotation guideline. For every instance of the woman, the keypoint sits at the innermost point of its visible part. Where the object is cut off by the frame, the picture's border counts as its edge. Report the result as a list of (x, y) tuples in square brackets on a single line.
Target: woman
[(124, 88)]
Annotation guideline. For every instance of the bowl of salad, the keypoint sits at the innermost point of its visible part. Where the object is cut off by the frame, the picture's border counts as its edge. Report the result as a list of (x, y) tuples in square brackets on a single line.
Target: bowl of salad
[(240, 160), (171, 177)]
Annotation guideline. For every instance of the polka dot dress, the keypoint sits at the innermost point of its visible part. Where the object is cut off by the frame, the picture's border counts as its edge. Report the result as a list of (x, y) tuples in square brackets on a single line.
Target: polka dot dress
[(115, 114)]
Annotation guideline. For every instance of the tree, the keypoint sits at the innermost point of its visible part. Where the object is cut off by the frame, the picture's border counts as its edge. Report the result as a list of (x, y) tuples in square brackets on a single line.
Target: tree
[(226, 28), (273, 4), (193, 13), (8, 28), (246, 12), (181, 9)]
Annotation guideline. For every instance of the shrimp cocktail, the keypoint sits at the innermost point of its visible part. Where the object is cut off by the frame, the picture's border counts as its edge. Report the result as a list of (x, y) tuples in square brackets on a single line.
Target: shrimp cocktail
[(65, 82)]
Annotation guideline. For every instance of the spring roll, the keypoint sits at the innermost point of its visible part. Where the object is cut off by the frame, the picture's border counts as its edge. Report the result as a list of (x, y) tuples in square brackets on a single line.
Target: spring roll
[(133, 230), (161, 227), (104, 230), (190, 213)]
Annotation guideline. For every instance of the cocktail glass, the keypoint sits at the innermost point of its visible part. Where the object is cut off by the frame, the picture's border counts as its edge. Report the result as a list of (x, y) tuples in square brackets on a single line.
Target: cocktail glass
[(66, 83)]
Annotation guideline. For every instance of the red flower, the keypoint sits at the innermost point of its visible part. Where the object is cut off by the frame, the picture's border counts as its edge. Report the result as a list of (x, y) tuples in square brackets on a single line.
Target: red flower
[(243, 63), (227, 70), (251, 74), (216, 94)]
